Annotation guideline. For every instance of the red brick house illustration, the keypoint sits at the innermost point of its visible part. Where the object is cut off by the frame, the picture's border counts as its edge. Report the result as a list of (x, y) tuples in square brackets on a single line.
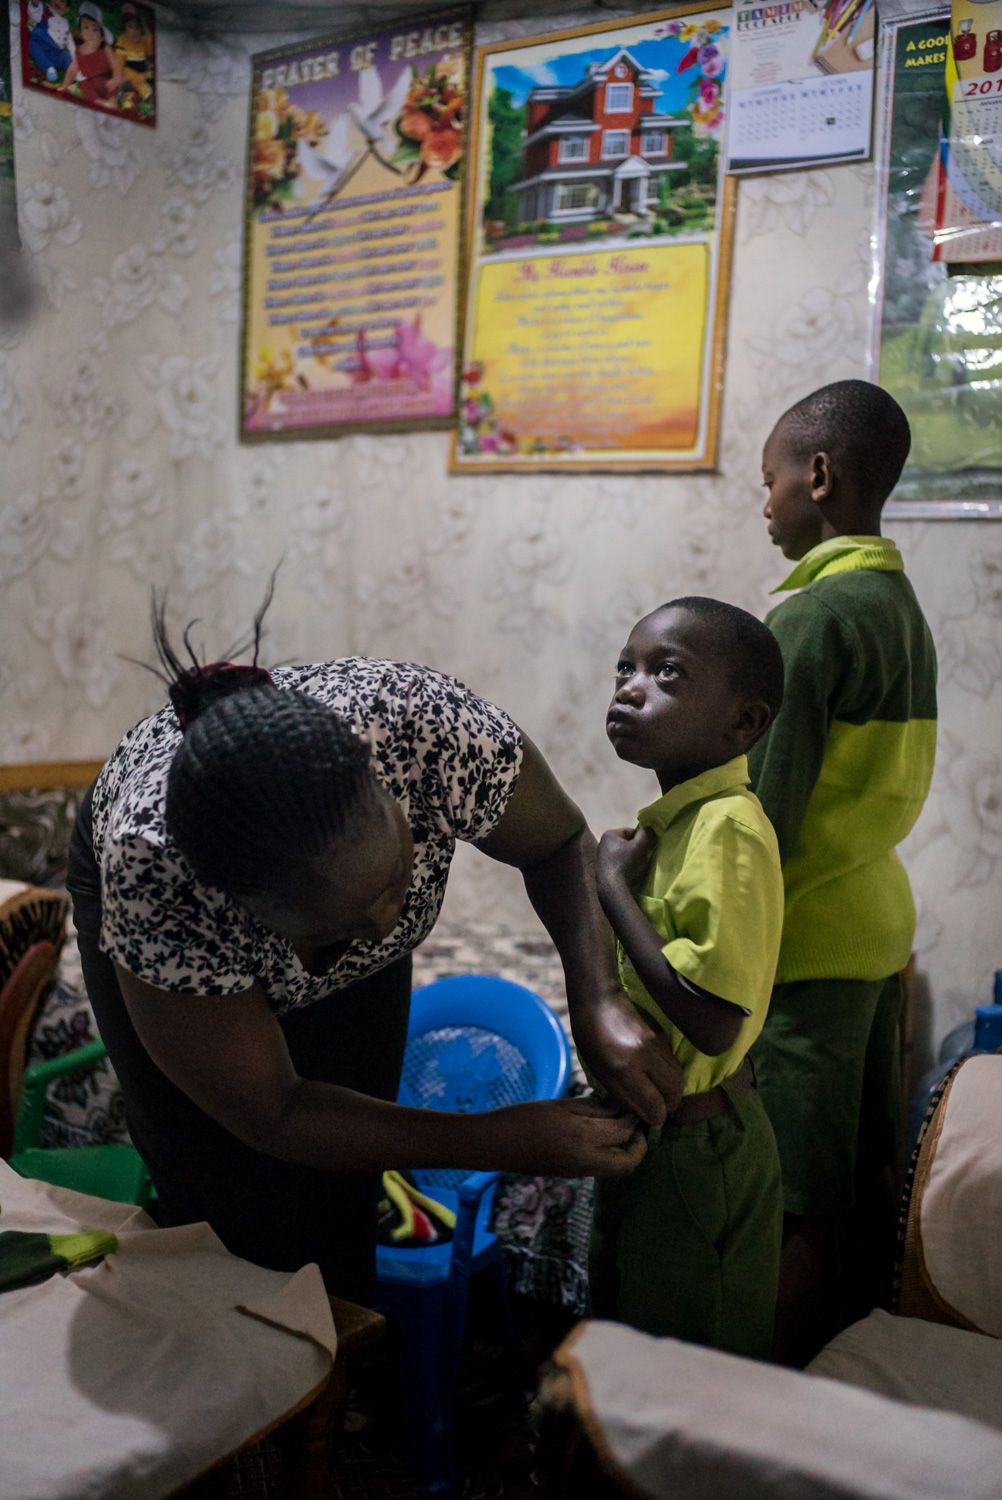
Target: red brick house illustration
[(596, 148)]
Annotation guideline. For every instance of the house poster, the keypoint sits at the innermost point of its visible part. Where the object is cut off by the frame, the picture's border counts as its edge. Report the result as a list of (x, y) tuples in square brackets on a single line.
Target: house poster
[(599, 236), (352, 232)]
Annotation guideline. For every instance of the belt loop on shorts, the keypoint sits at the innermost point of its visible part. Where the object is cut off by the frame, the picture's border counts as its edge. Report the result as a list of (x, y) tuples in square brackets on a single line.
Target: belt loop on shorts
[(739, 1088)]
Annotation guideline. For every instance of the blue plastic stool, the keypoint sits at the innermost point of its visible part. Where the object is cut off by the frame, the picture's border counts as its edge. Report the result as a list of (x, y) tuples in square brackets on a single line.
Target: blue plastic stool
[(475, 1042)]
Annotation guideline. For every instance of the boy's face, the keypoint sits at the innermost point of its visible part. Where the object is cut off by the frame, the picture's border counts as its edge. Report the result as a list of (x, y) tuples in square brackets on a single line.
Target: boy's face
[(675, 710), (792, 509), (59, 6)]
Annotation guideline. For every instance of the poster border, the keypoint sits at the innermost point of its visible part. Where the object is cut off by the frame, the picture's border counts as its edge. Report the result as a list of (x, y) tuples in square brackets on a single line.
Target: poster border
[(111, 114), (902, 510), (328, 431), (726, 208)]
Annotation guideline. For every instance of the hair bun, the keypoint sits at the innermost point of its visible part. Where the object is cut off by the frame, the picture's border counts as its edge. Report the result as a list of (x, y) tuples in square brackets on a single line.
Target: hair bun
[(194, 689), (199, 687)]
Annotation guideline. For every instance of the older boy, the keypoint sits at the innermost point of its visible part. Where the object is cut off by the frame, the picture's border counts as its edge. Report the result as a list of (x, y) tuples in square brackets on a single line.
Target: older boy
[(688, 1245), (843, 773)]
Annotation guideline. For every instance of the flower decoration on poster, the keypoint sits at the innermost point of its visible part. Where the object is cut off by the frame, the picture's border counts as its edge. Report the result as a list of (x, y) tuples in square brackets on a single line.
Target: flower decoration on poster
[(100, 56), (417, 124), (705, 61), (430, 125), (280, 127), (355, 175), (600, 233)]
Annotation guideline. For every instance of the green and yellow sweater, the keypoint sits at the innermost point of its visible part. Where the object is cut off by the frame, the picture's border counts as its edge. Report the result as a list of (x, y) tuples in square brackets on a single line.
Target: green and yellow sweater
[(845, 769)]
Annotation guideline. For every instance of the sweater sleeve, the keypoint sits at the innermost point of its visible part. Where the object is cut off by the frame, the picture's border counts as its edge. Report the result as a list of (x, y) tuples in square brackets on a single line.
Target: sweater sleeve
[(819, 663)]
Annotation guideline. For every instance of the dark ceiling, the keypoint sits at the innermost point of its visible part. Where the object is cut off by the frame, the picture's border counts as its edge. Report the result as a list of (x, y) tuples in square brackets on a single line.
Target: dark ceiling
[(269, 16)]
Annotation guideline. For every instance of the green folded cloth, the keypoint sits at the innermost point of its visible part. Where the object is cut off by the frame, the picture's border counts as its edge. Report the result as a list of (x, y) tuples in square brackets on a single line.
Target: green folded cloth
[(25, 1258)]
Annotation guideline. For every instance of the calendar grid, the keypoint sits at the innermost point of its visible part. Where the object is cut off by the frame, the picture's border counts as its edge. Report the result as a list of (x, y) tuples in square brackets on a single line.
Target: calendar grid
[(827, 117)]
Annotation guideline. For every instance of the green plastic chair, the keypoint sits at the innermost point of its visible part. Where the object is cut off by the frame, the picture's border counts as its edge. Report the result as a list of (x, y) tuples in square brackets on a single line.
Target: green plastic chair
[(117, 1171)]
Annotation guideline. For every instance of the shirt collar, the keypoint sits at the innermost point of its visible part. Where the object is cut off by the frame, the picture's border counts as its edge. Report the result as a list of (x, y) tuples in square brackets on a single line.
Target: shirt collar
[(844, 554), (665, 810)]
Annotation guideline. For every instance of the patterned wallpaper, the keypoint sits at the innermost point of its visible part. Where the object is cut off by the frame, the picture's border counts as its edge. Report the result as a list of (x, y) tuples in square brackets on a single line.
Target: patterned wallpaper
[(118, 419)]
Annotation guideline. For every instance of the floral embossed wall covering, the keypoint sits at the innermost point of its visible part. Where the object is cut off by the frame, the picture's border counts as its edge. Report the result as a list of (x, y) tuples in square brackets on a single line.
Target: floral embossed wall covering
[(121, 469)]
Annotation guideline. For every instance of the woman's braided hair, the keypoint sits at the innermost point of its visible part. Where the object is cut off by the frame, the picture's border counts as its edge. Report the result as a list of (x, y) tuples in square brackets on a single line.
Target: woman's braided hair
[(264, 780)]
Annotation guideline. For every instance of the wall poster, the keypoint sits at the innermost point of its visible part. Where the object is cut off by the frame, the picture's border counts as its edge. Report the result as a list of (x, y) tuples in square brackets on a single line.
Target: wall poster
[(352, 231), (599, 240), (99, 56), (969, 201), (801, 84), (936, 340), (6, 116)]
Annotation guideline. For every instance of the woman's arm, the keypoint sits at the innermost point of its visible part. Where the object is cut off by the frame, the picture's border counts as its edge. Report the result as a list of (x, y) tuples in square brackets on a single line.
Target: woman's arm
[(708, 1022), (228, 1054), (544, 835)]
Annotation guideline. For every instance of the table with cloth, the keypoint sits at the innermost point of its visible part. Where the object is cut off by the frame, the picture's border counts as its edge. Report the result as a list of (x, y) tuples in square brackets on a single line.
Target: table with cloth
[(130, 1377)]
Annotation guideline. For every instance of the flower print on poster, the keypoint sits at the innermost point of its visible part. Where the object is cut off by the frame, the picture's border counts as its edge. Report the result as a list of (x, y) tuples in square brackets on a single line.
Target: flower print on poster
[(351, 249), (100, 56)]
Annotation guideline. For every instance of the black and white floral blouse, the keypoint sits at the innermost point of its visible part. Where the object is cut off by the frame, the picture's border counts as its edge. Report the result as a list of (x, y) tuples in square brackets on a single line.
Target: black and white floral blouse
[(448, 757)]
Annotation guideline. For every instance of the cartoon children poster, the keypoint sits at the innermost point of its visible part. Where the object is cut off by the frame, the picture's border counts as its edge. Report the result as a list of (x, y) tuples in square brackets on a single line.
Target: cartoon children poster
[(100, 55)]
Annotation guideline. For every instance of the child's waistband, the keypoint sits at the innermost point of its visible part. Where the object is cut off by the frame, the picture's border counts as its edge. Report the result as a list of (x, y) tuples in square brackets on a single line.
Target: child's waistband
[(695, 1108)]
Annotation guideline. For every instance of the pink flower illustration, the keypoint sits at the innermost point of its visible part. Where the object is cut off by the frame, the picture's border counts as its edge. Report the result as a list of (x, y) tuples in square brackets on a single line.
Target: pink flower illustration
[(709, 93), (412, 358), (361, 371)]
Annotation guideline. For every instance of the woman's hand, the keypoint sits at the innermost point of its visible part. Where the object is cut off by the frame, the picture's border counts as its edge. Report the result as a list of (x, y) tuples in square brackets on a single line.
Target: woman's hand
[(624, 854), (628, 1055), (566, 1138)]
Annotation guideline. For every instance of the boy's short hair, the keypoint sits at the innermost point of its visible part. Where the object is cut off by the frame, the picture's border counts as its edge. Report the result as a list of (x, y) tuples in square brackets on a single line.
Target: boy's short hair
[(750, 649), (860, 425)]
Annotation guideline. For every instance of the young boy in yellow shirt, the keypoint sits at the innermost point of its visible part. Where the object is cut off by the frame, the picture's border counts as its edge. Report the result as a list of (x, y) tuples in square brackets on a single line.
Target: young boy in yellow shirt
[(688, 1245)]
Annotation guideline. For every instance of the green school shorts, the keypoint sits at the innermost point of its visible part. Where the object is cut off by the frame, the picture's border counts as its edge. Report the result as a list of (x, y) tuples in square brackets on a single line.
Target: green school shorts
[(688, 1244), (827, 1068)]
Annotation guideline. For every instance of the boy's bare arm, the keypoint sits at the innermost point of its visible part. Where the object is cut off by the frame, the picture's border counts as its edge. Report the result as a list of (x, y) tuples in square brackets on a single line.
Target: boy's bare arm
[(708, 1022)]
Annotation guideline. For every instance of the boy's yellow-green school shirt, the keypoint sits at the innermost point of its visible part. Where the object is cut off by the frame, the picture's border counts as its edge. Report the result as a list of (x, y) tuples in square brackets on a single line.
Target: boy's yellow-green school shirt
[(714, 892)]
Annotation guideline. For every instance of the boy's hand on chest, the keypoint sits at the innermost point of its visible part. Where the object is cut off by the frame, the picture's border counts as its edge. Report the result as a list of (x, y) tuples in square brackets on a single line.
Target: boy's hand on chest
[(624, 855)]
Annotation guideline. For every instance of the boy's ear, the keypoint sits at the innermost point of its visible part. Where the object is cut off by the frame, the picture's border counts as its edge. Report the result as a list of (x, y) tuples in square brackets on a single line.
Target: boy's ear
[(753, 721), (822, 478)]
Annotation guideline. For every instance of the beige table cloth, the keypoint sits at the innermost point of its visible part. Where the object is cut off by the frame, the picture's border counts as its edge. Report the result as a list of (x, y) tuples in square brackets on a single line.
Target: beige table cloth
[(128, 1379), (685, 1423)]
